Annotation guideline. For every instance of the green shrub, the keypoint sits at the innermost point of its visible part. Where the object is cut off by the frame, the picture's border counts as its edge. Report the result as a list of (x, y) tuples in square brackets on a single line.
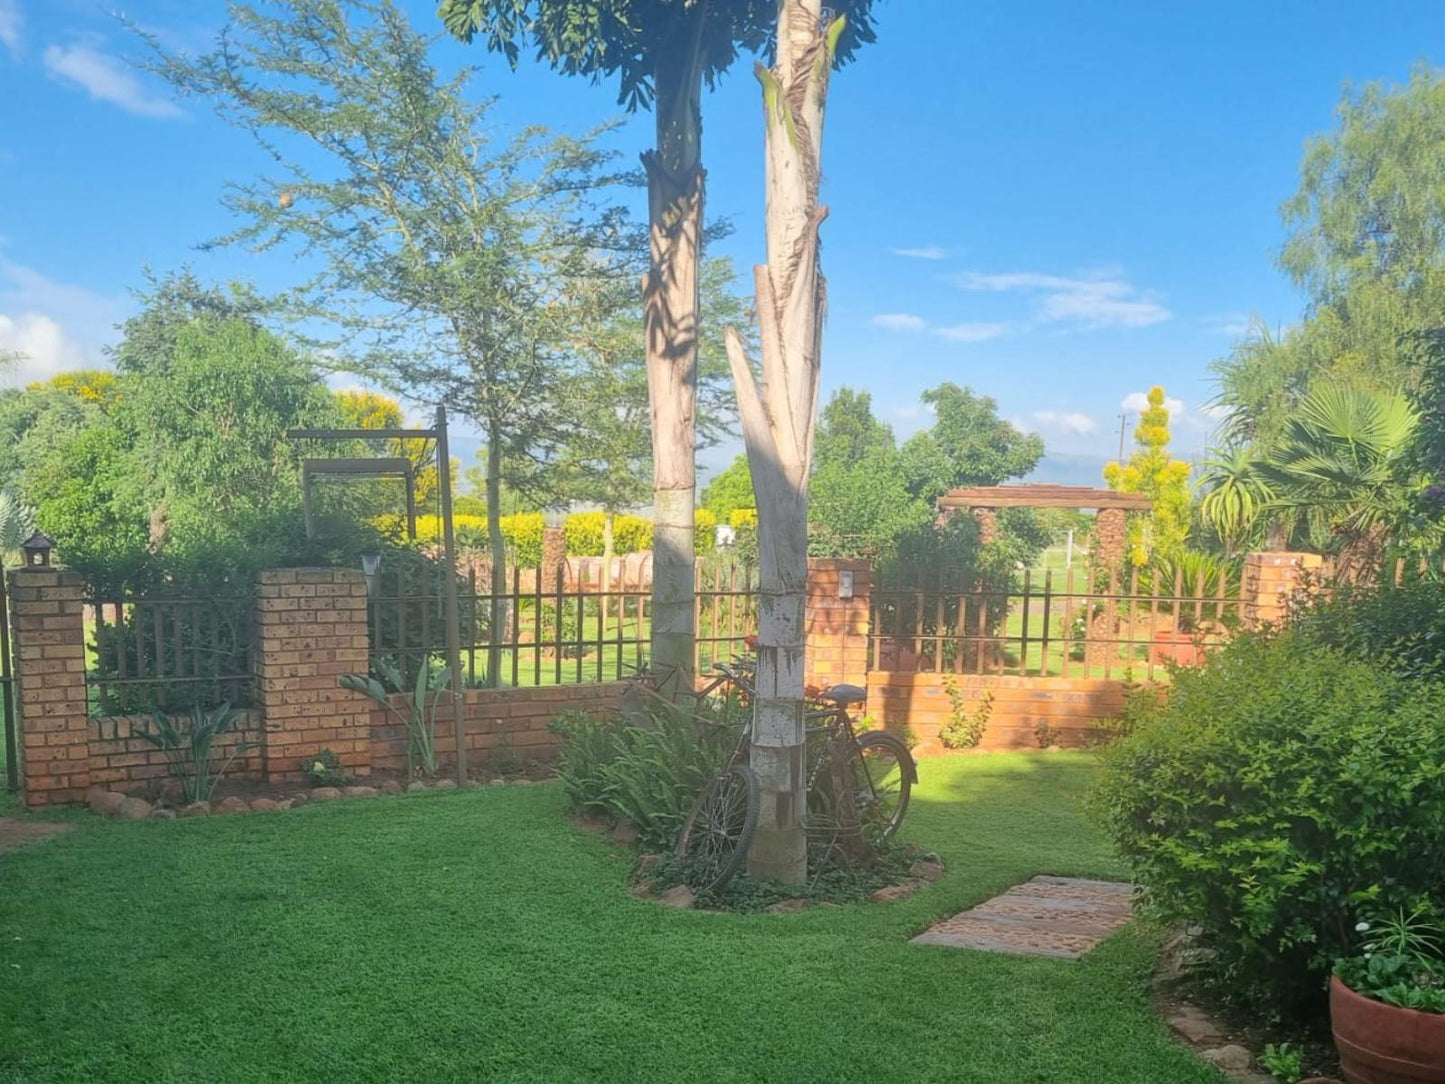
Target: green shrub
[(324, 769), (1401, 627), (965, 726), (648, 775), (189, 742), (523, 533), (1282, 788), (630, 534)]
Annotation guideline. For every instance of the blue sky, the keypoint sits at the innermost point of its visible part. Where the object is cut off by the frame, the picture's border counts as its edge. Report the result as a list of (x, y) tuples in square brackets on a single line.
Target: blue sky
[(1057, 203)]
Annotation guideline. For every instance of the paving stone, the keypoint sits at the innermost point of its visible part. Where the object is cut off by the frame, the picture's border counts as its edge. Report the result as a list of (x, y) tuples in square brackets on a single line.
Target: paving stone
[(1063, 917)]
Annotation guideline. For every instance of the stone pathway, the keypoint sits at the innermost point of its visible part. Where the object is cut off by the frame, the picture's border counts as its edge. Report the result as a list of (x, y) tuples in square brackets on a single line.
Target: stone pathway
[(1062, 917), (14, 833)]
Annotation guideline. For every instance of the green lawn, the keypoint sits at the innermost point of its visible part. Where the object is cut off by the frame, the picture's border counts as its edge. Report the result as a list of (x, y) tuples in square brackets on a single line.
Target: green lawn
[(479, 936)]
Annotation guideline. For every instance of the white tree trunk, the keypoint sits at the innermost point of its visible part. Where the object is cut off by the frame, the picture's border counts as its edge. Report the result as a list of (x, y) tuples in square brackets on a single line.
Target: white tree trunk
[(778, 420)]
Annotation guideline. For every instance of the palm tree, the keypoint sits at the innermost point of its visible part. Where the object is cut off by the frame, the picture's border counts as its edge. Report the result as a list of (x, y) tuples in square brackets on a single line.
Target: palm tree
[(1341, 474), (1235, 496)]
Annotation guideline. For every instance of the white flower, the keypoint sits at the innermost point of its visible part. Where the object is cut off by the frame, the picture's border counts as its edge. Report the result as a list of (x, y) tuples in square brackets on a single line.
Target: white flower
[(1361, 927)]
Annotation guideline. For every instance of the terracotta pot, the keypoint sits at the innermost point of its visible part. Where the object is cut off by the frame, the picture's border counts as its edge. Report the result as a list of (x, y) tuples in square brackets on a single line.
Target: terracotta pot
[(1382, 1044), (1172, 646)]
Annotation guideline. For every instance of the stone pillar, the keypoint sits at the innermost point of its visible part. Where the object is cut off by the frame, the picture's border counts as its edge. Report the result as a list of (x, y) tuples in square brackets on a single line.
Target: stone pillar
[(835, 629), (48, 617), (1111, 539), (554, 557), (311, 629), (1268, 582), (987, 524)]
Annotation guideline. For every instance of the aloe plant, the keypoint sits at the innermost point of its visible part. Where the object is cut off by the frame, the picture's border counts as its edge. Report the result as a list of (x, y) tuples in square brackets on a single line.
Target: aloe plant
[(190, 743), (419, 718)]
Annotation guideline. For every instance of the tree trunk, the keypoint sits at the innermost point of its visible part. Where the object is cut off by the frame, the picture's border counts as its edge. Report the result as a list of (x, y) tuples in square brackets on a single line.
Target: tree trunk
[(670, 301), (778, 420), (498, 616)]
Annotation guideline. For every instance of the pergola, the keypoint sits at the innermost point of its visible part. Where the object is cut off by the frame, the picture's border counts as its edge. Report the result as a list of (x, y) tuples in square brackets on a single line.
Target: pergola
[(1109, 530)]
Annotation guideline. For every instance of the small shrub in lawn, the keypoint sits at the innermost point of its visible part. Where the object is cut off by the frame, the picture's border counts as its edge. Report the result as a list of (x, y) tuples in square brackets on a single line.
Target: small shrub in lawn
[(1282, 789)]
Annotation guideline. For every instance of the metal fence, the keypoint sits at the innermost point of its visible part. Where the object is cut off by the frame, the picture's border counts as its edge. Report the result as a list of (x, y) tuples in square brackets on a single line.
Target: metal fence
[(553, 633), (1050, 624), (167, 653)]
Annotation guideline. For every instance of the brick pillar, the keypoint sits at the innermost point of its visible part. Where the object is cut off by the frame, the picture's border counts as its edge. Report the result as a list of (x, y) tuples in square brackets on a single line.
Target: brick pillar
[(1111, 539), (1268, 582), (310, 629), (48, 616), (836, 629), (987, 524)]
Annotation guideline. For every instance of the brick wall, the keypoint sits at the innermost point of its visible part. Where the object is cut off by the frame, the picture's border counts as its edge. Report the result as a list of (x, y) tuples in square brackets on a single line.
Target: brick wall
[(497, 722), (311, 629), (1069, 706), (47, 616), (1268, 582), (121, 761), (836, 629)]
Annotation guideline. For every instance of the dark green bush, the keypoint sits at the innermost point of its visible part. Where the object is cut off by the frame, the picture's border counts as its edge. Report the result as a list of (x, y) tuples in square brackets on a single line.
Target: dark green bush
[(649, 775), (1284, 788), (1399, 626)]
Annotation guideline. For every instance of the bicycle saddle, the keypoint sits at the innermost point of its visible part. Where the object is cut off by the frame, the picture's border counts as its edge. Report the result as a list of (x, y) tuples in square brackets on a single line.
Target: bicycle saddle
[(843, 695)]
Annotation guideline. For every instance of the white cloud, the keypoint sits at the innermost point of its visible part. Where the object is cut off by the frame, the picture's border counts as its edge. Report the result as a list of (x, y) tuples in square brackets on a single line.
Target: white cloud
[(1067, 421), (54, 325), (922, 252), (11, 24), (1088, 302), (971, 332), (1136, 402), (106, 79), (900, 321)]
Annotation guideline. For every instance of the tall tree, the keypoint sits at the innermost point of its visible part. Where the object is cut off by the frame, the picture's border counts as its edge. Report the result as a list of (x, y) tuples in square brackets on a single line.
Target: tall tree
[(663, 51), (1367, 244), (454, 264), (967, 445), (779, 412), (1152, 471)]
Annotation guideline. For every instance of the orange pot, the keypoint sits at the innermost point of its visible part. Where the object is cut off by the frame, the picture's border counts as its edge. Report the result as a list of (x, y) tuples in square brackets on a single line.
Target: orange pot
[(1383, 1044)]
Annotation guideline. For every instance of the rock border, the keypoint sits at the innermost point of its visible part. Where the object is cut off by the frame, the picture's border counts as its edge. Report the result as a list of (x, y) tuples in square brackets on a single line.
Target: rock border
[(115, 805)]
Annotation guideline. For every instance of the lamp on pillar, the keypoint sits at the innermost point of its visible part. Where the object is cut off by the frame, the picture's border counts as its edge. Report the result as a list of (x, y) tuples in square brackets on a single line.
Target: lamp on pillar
[(370, 566), (37, 550)]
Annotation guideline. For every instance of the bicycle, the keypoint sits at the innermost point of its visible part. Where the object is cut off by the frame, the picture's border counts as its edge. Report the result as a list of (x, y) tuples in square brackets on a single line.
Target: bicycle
[(858, 787)]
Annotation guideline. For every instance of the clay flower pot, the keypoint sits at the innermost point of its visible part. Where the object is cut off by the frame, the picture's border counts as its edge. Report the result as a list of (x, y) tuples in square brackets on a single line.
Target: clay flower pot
[(1382, 1044)]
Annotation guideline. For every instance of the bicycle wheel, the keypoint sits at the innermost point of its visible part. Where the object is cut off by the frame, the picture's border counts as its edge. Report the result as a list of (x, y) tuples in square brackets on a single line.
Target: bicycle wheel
[(718, 831), (883, 775)]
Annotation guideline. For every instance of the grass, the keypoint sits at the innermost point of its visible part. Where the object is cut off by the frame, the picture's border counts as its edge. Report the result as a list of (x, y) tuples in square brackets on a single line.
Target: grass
[(478, 935)]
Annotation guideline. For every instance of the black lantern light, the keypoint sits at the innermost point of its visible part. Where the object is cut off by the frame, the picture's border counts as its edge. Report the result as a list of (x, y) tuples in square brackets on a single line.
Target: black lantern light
[(370, 566), (37, 549)]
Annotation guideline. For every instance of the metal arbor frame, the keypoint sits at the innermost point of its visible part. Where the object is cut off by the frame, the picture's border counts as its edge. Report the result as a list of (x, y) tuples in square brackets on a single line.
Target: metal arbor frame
[(387, 467)]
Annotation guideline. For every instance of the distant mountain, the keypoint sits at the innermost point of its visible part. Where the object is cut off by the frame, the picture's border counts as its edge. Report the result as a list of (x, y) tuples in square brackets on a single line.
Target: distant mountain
[(1064, 469)]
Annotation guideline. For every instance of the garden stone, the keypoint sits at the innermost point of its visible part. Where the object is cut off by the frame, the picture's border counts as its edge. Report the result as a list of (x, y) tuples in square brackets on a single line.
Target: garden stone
[(900, 891), (926, 869), (1232, 1058), (265, 805), (391, 786), (624, 832), (361, 792), (133, 809), (106, 803), (679, 896), (647, 862), (783, 907), (445, 784), (233, 804), (196, 809), (415, 785), (325, 794), (163, 814), (299, 798), (1194, 1025), (495, 782), (286, 803)]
